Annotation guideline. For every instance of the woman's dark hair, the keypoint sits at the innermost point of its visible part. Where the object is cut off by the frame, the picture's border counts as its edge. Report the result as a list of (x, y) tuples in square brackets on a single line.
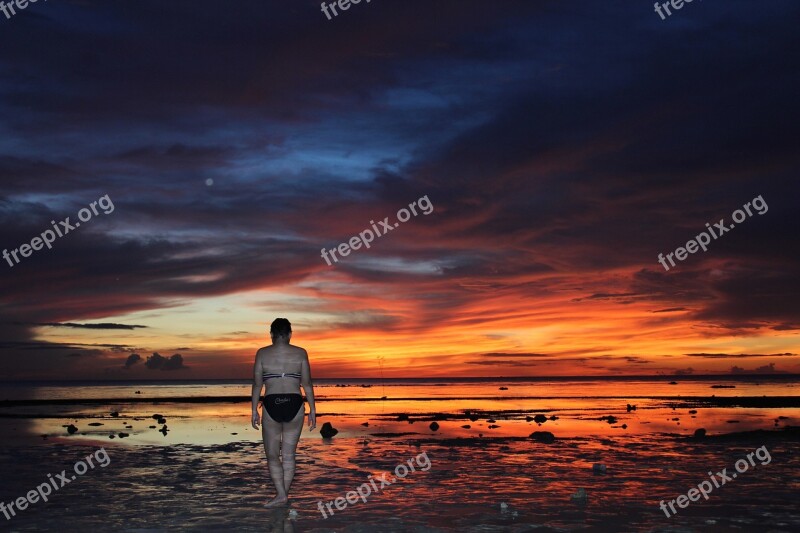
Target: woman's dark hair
[(280, 327)]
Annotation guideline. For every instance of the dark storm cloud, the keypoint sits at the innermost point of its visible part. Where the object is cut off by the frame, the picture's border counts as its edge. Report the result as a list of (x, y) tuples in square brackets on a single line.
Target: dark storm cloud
[(132, 360), (159, 362), (553, 138), (737, 356), (102, 325)]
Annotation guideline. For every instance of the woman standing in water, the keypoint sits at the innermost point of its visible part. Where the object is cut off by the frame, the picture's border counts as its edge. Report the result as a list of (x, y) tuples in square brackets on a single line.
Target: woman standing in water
[(283, 369)]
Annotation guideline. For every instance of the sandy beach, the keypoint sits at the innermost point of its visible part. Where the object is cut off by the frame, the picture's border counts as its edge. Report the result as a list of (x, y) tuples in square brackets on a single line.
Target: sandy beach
[(577, 464)]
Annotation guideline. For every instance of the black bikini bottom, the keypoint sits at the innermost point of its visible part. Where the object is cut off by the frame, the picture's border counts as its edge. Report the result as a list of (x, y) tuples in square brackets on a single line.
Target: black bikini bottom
[(283, 407)]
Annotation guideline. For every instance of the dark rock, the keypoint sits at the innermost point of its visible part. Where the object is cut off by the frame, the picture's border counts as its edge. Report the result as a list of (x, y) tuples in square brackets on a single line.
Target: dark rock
[(402, 417), (553, 417), (700, 433), (123, 435), (580, 498), (503, 388), (491, 420), (473, 418), (528, 419), (631, 408), (492, 426), (72, 429), (543, 436), (152, 427), (95, 424), (434, 426), (540, 419), (328, 431), (114, 414), (365, 424), (466, 426), (611, 419), (156, 416)]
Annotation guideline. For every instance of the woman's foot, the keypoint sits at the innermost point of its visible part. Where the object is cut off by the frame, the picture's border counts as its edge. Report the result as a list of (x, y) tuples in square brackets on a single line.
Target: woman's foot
[(277, 501)]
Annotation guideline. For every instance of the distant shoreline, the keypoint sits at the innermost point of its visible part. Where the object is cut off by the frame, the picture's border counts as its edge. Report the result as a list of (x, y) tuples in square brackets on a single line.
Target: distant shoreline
[(513, 379)]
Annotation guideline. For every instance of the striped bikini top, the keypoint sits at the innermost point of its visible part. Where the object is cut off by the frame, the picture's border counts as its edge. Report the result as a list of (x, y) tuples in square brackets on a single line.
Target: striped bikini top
[(267, 375)]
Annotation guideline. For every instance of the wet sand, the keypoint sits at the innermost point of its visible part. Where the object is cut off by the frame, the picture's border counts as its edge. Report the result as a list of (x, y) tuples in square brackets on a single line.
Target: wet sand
[(222, 487)]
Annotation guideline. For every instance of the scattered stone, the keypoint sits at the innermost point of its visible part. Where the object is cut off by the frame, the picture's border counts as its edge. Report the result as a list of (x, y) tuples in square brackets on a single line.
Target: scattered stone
[(624, 426), (365, 424), (543, 436), (402, 417), (580, 498), (123, 435), (72, 429), (473, 418), (528, 419), (234, 433), (95, 424), (434, 426), (114, 414), (700, 433), (553, 417), (492, 426), (631, 408), (491, 420), (328, 431), (156, 416), (540, 419), (503, 388), (466, 426), (611, 419), (112, 436), (673, 382), (152, 427), (693, 412)]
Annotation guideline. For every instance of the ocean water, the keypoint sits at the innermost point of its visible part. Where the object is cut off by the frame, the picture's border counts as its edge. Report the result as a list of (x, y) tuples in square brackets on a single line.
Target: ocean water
[(218, 412), (208, 472)]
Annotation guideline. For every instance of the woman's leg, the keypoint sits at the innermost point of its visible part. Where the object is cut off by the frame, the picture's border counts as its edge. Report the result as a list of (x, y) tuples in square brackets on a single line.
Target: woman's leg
[(272, 446), (291, 434)]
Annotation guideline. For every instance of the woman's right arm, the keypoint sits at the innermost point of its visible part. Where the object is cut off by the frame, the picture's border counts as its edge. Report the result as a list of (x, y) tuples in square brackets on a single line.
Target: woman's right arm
[(258, 382), (308, 388)]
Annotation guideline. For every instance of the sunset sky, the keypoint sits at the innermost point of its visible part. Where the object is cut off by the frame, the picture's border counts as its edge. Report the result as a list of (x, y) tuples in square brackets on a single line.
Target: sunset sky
[(563, 146)]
